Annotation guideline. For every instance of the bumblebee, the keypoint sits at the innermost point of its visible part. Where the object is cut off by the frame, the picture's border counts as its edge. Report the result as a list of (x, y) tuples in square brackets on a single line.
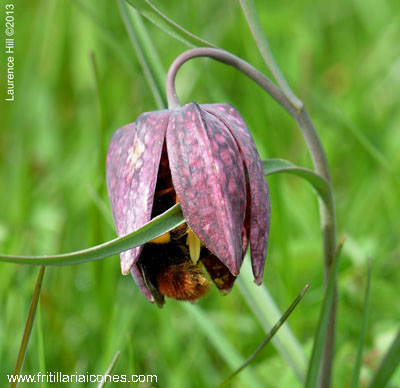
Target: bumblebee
[(169, 270), (185, 281)]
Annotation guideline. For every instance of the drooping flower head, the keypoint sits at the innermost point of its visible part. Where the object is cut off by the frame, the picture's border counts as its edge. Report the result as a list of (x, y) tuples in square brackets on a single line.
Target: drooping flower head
[(203, 157)]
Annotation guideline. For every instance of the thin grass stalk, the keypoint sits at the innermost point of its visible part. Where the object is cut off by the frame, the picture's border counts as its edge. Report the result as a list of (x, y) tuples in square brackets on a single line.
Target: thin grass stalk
[(28, 327), (153, 14), (109, 370)]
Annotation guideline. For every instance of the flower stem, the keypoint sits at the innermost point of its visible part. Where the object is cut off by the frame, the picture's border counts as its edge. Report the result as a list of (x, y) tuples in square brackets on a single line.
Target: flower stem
[(229, 59), (296, 109)]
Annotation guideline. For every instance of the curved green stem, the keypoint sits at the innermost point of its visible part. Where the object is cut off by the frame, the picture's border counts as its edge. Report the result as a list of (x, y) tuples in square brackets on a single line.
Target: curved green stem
[(229, 59), (299, 114), (296, 109)]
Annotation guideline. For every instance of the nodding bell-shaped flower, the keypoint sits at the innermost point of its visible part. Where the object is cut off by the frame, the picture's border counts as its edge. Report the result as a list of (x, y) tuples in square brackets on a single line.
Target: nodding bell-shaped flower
[(203, 157)]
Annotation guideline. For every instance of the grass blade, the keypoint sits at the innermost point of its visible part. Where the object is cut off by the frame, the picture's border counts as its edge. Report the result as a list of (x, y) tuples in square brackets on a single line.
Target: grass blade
[(355, 380), (145, 51), (231, 356), (152, 13), (315, 361), (268, 337), (28, 326), (109, 370), (266, 311), (156, 227), (320, 184), (388, 366), (253, 20)]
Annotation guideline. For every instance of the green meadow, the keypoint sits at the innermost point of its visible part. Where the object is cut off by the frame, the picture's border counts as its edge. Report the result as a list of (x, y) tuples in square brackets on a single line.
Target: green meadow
[(78, 78)]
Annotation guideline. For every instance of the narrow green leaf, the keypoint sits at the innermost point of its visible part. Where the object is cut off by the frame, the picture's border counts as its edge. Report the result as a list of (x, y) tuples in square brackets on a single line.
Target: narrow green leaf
[(355, 380), (388, 366), (152, 13), (224, 347), (268, 337), (319, 340), (109, 371), (321, 185), (156, 227), (28, 326), (265, 309), (145, 51)]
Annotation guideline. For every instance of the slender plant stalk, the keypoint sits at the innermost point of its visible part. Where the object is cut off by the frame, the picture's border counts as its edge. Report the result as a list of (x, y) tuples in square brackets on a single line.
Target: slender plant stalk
[(298, 112), (253, 20), (109, 370), (162, 21), (313, 373), (327, 210), (28, 326)]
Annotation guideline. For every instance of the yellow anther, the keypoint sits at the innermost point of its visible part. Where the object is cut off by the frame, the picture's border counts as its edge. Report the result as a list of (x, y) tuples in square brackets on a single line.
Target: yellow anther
[(194, 244)]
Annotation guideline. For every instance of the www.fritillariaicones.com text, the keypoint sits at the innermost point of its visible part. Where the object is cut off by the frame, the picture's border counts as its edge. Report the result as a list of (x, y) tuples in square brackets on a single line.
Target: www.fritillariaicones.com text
[(58, 377)]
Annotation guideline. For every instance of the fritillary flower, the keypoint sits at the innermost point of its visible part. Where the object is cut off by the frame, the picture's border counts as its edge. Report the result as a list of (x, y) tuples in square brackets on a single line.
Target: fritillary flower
[(203, 157)]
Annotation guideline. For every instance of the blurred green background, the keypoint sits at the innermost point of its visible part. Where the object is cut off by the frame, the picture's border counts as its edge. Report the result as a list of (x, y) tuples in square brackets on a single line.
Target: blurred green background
[(342, 58)]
